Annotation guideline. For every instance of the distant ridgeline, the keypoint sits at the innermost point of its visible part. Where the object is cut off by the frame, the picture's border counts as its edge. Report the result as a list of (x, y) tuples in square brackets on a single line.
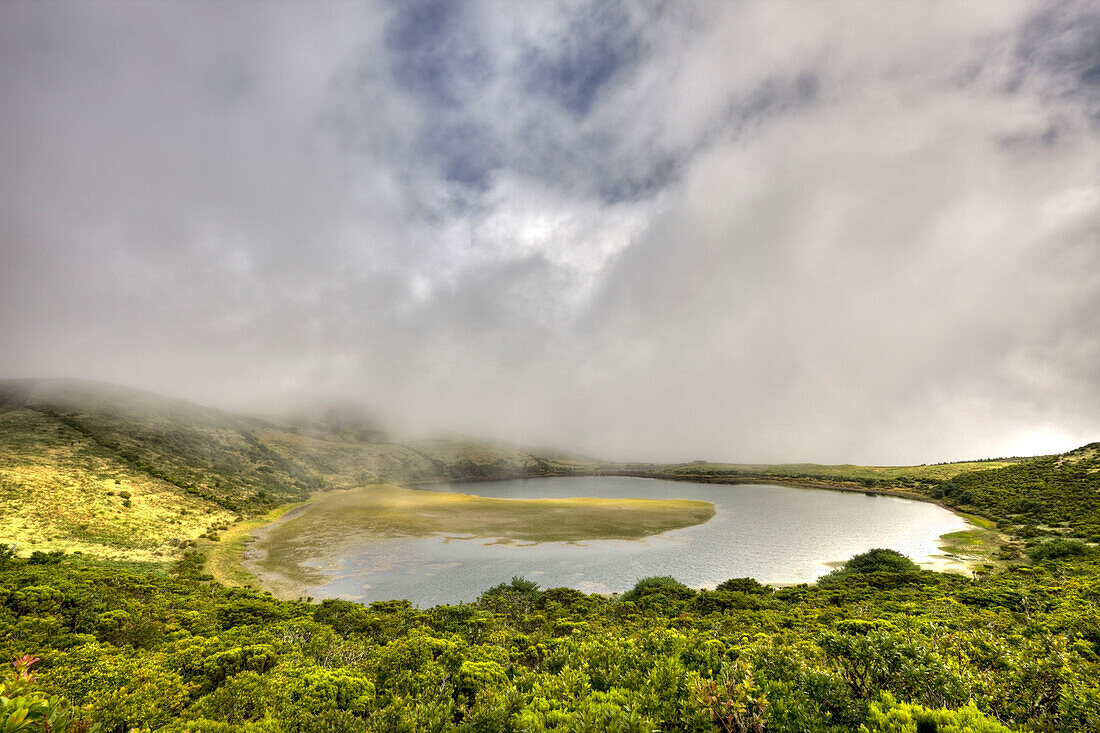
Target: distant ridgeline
[(133, 633), (1030, 497)]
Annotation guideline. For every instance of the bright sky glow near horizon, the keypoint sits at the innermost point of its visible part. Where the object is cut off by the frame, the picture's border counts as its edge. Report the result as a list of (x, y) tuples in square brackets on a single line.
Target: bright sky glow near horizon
[(760, 231)]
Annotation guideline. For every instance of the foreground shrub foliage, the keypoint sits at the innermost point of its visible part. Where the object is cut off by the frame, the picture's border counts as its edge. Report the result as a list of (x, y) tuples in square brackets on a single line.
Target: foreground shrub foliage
[(23, 708), (880, 646)]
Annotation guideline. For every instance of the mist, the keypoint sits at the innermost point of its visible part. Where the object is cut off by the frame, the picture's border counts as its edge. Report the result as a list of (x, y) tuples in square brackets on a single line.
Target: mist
[(838, 232)]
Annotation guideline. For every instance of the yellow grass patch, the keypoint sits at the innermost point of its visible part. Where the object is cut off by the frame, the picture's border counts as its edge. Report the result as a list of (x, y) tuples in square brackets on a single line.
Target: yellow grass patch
[(61, 491)]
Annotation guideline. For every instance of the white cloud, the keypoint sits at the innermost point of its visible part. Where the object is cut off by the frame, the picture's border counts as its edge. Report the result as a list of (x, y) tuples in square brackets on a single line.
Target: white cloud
[(757, 231)]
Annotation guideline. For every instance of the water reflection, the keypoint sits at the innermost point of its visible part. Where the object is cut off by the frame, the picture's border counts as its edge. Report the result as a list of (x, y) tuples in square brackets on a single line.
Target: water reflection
[(772, 533)]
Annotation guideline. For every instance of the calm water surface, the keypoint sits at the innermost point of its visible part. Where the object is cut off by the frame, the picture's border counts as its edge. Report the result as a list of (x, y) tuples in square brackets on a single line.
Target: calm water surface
[(775, 534)]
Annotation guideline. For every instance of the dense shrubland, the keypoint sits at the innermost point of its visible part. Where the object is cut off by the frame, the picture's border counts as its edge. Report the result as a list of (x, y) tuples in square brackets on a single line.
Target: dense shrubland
[(879, 646), (1052, 495)]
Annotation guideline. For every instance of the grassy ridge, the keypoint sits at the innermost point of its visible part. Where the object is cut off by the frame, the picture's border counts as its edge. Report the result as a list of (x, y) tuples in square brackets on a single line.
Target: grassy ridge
[(61, 491), (128, 474), (1044, 496)]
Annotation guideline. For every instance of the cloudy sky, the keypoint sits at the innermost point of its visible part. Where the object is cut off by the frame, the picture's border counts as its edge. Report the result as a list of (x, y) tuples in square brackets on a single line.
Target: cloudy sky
[(863, 232)]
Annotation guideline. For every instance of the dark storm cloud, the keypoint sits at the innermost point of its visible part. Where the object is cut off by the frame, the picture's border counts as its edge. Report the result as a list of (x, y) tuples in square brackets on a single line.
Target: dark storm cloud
[(751, 231), (450, 59)]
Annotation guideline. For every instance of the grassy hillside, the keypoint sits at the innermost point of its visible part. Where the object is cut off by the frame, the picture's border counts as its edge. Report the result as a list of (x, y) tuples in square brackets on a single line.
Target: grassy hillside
[(128, 474), (59, 489), (1045, 496)]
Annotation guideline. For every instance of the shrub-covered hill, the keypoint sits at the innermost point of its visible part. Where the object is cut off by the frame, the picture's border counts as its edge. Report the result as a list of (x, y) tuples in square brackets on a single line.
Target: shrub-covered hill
[(882, 646), (129, 474), (1054, 494)]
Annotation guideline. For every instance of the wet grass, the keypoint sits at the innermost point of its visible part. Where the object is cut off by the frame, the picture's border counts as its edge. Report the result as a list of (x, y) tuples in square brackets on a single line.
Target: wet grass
[(392, 511), (974, 547)]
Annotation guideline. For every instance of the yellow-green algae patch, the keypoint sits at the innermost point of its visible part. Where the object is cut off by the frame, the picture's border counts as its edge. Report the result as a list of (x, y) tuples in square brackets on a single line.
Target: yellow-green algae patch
[(340, 518)]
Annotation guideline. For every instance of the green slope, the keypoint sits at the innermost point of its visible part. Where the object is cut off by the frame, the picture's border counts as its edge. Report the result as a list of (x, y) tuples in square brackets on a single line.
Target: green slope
[(1050, 495), (130, 474)]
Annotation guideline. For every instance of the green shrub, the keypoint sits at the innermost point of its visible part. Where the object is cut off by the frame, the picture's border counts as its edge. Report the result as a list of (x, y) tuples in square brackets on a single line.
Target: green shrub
[(38, 557), (890, 566), (341, 689), (1059, 549), (25, 710), (881, 561), (520, 592), (663, 585), (745, 585), (887, 715), (473, 677)]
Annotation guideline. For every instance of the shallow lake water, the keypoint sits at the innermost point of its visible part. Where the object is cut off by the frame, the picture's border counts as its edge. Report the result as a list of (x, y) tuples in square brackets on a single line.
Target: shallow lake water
[(775, 534)]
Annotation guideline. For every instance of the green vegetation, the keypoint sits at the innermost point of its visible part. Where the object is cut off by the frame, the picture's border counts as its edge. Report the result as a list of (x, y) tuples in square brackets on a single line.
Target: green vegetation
[(1059, 549), (879, 565), (1054, 495), (129, 475), (890, 716), (657, 585), (137, 632), (844, 476), (24, 708), (882, 647), (61, 491), (387, 510)]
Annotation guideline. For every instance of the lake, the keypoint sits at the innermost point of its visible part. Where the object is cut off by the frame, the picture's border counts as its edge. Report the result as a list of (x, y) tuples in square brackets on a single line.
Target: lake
[(775, 534)]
